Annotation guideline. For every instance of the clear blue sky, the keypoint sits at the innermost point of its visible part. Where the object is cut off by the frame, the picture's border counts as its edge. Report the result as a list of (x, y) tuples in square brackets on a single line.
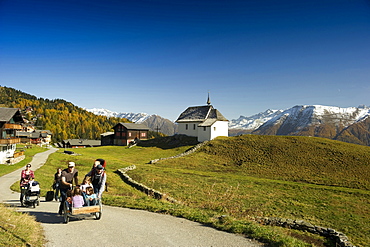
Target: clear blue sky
[(159, 57)]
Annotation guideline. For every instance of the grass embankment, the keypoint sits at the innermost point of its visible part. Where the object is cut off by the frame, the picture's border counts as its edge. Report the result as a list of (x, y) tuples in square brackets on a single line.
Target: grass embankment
[(19, 229), (29, 153), (321, 181)]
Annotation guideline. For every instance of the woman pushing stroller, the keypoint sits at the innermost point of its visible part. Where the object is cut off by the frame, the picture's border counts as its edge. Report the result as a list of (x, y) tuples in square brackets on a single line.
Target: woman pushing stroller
[(27, 175)]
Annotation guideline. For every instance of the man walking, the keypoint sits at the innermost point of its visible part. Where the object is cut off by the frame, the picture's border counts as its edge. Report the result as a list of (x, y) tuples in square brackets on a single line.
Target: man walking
[(69, 175)]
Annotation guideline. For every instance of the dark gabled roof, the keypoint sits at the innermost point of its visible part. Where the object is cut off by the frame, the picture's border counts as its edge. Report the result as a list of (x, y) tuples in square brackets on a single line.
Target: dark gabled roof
[(35, 134), (200, 114), (23, 134), (207, 123), (133, 126), (8, 113), (82, 142)]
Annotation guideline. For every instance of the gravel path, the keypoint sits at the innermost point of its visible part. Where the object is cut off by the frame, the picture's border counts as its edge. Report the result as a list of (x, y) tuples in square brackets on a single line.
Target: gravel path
[(118, 226)]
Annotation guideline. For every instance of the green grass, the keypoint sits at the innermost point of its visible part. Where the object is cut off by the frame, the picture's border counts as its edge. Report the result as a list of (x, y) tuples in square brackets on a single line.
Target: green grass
[(320, 181), (19, 229), (29, 153)]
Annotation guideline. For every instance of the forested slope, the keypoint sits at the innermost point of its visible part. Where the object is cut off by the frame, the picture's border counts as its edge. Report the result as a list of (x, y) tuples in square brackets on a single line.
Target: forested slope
[(62, 118)]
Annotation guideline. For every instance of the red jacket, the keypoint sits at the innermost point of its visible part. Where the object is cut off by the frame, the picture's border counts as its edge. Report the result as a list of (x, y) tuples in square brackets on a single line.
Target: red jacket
[(25, 178)]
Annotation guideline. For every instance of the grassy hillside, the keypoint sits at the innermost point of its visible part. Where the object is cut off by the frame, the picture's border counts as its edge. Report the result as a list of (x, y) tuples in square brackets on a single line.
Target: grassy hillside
[(317, 180), (293, 158)]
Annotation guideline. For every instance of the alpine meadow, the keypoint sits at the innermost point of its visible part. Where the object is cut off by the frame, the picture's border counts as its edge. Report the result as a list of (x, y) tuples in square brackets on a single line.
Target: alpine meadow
[(230, 183)]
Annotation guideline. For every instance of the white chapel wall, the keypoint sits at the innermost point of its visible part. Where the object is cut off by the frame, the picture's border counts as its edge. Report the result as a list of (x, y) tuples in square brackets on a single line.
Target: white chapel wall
[(220, 128), (189, 129)]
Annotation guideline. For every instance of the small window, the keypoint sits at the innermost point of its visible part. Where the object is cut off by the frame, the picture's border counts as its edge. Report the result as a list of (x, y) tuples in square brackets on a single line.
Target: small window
[(214, 128), (194, 127), (186, 126), (204, 128)]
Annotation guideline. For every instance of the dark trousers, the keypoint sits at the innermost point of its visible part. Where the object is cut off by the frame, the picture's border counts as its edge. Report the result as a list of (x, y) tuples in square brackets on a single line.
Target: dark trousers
[(24, 190), (63, 195), (57, 189)]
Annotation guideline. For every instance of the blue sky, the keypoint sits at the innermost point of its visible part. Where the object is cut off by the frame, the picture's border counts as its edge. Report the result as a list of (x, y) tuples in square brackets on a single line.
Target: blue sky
[(160, 57)]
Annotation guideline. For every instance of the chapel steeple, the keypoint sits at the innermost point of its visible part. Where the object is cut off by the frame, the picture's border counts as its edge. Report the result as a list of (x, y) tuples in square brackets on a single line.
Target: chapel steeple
[(208, 100)]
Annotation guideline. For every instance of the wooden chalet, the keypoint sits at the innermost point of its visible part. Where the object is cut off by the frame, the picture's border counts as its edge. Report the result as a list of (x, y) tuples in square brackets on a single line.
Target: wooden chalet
[(38, 137), (126, 133), (11, 120)]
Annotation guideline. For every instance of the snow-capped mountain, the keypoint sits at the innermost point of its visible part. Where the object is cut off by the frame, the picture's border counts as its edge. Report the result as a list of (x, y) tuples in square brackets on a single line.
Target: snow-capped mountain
[(350, 124), (300, 117), (255, 121), (133, 117), (154, 122)]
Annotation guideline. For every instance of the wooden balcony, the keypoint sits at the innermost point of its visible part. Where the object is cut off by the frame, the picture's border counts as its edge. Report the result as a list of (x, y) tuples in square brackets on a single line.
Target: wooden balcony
[(18, 154), (12, 126), (10, 141)]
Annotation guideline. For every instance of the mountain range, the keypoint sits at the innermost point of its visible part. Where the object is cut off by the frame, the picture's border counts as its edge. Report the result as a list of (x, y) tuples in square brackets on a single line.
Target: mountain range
[(350, 124), (154, 122)]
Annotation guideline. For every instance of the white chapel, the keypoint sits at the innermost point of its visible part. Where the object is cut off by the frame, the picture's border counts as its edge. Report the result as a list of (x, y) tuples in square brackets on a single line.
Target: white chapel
[(204, 122)]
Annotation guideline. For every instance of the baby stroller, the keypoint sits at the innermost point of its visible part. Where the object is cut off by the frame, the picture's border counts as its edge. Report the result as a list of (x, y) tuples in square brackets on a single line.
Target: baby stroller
[(32, 195)]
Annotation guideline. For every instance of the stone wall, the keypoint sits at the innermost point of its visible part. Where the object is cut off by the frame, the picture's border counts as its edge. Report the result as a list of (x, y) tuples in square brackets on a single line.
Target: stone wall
[(149, 191), (190, 151), (13, 161), (339, 238)]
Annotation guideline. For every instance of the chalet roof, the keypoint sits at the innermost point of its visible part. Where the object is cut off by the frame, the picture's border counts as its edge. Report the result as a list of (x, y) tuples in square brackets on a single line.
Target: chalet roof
[(207, 123), (109, 133), (48, 132), (82, 142), (23, 134), (8, 113), (133, 126), (35, 134), (200, 114)]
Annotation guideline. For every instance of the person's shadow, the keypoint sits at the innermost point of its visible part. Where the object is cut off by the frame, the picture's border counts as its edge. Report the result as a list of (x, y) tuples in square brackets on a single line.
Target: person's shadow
[(46, 217), (42, 217)]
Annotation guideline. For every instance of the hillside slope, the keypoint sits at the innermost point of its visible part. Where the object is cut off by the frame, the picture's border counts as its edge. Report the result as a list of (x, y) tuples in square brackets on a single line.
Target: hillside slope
[(294, 158), (321, 181)]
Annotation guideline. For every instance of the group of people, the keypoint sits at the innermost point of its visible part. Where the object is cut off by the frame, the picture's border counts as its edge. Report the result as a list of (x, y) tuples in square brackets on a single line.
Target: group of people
[(85, 194)]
